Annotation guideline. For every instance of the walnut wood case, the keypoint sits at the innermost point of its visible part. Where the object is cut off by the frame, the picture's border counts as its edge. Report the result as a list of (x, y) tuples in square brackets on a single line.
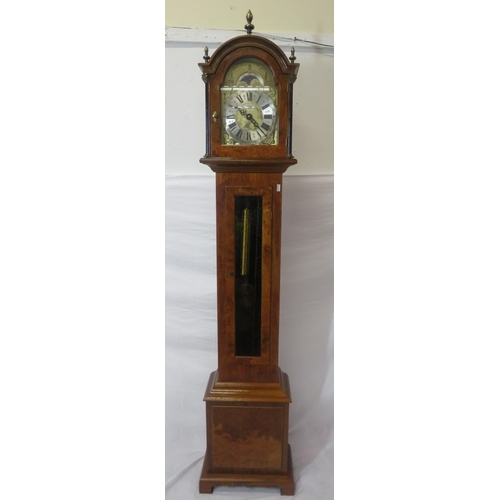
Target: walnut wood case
[(248, 396)]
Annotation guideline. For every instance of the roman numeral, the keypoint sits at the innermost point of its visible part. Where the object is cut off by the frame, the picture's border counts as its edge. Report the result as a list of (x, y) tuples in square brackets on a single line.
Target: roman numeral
[(239, 99), (265, 126), (265, 106), (239, 134), (249, 94), (268, 117), (231, 117), (260, 97), (232, 126)]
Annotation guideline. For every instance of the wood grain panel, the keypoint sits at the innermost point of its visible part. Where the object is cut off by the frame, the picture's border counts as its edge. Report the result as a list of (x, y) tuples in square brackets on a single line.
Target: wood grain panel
[(247, 437)]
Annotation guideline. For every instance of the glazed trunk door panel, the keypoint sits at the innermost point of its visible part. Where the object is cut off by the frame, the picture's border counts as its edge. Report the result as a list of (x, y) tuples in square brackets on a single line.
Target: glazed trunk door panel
[(248, 260)]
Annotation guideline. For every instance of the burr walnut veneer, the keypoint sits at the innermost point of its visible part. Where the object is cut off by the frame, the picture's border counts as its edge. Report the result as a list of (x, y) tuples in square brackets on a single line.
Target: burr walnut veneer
[(248, 87)]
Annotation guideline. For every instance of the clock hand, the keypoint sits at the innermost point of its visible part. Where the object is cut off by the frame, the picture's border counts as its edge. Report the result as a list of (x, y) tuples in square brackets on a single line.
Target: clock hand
[(248, 116), (242, 111), (251, 119)]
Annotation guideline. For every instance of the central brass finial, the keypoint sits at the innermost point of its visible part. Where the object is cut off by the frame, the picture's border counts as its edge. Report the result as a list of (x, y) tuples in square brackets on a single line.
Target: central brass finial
[(249, 26)]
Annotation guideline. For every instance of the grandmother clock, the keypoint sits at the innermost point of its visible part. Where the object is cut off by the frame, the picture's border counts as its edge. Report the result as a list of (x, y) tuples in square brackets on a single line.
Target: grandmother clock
[(249, 82)]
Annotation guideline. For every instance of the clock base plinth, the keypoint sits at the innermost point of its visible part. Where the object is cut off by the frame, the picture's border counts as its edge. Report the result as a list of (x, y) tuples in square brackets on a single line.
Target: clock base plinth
[(247, 435), (285, 482)]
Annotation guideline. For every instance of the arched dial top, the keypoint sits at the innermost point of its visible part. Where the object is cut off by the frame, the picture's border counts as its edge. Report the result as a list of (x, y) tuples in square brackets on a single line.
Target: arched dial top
[(249, 102)]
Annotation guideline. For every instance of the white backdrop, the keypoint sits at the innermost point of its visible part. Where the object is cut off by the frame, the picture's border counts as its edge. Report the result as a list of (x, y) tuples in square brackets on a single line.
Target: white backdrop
[(306, 331)]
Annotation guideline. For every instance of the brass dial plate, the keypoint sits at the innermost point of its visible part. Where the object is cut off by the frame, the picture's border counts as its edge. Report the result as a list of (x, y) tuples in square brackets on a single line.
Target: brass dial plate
[(249, 101)]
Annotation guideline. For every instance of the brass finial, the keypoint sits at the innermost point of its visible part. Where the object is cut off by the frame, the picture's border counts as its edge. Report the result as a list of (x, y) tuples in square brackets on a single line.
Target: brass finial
[(249, 26), (292, 57), (206, 57)]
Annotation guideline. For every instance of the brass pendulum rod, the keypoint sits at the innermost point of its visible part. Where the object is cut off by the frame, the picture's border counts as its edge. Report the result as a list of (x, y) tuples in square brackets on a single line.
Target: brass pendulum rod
[(245, 248)]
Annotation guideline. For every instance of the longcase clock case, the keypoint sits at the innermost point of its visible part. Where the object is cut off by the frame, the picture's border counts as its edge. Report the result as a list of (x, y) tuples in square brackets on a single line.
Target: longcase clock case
[(248, 396)]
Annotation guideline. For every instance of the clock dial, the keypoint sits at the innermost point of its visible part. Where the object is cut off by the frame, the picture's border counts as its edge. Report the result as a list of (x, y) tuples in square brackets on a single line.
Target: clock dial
[(249, 105), (250, 116)]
